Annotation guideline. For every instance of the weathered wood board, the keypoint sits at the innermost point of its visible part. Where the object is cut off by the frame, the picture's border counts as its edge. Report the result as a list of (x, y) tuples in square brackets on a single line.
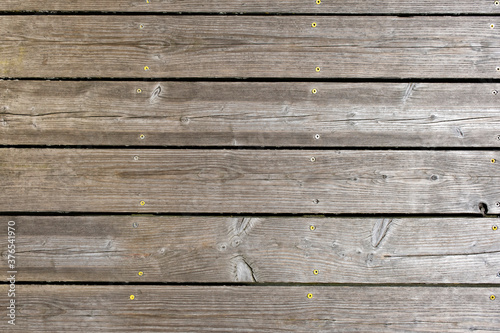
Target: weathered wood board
[(248, 181), (205, 249), (252, 309), (258, 6), (250, 114), (217, 46)]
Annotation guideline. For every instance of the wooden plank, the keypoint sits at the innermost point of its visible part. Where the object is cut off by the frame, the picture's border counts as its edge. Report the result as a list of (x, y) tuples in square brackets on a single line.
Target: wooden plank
[(251, 309), (258, 6), (248, 181), (249, 114), (255, 249), (249, 46)]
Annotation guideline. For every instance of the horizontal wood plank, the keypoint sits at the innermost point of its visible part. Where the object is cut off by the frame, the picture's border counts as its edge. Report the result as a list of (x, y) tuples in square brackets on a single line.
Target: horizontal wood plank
[(257, 6), (249, 46), (248, 181), (251, 309), (255, 249), (249, 114)]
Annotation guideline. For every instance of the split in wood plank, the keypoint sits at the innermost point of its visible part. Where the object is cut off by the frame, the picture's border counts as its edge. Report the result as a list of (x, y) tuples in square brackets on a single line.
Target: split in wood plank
[(309, 114), (249, 181), (255, 249), (249, 46), (259, 6), (251, 309)]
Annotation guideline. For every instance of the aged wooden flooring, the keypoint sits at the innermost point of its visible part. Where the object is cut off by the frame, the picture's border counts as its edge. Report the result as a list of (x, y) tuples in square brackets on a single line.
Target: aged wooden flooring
[(250, 166)]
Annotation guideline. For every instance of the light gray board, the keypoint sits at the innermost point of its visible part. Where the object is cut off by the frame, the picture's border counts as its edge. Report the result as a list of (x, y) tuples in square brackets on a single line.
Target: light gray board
[(255, 249), (249, 114), (248, 181), (53, 309), (249, 46)]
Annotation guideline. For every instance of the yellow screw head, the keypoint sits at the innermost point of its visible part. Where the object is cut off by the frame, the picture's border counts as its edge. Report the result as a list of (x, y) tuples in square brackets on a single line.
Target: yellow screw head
[(141, 26), (314, 91), (492, 26), (318, 2), (309, 295), (142, 136), (139, 90), (494, 228), (318, 69), (147, 1), (140, 273), (312, 228), (497, 3), (315, 272), (493, 160), (493, 297), (143, 203), (132, 297), (313, 24), (146, 68)]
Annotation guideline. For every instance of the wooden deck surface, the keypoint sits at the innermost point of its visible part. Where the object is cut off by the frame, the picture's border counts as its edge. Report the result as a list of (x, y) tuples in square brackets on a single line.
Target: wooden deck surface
[(249, 166)]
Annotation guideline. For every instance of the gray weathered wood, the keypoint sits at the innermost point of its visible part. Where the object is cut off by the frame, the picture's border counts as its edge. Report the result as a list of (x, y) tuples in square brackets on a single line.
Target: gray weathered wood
[(255, 249), (257, 6), (252, 309), (239, 181), (249, 114), (249, 46)]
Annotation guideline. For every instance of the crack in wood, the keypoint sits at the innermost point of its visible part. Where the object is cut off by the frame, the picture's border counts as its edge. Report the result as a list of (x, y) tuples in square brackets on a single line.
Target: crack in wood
[(379, 231), (244, 272)]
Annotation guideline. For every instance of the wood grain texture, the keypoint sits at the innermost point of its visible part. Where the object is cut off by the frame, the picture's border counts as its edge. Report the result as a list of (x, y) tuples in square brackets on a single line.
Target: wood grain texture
[(249, 114), (255, 249), (252, 309), (251, 181), (249, 46), (257, 6)]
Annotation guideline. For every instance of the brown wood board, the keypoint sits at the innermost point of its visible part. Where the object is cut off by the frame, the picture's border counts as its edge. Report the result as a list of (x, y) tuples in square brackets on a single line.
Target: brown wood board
[(204, 249), (248, 181), (310, 114), (218, 46), (252, 309)]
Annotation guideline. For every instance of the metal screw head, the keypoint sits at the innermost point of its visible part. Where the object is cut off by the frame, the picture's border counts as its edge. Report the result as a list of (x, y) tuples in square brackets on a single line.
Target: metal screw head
[(141, 26), (498, 274), (135, 224), (313, 159), (498, 137), (316, 201), (317, 136), (497, 203), (494, 92), (497, 3), (142, 136), (498, 69), (492, 26), (136, 158)]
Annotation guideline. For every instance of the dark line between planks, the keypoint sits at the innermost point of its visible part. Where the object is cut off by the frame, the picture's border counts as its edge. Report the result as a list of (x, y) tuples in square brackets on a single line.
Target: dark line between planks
[(256, 284), (222, 13), (256, 215), (257, 79), (296, 148)]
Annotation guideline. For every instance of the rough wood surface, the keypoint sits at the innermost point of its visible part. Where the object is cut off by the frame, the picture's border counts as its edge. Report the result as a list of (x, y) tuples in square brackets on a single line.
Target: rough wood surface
[(257, 6), (255, 249), (252, 309), (249, 46), (251, 181), (249, 114)]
